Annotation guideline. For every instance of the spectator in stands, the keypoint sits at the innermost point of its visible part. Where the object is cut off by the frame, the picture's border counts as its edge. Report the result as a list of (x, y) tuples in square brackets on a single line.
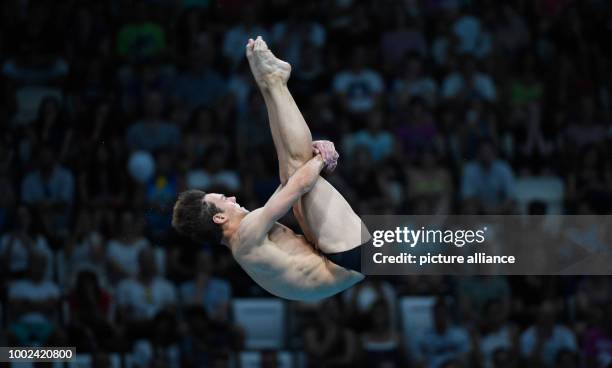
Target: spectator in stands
[(413, 82), (141, 38), (326, 341), (50, 129), (195, 347), (153, 131), (101, 179), (205, 341), (404, 37), (469, 84), (597, 345), (588, 129), (297, 30), (527, 86), (369, 187), (429, 186), (50, 184), (240, 88), (586, 182), (380, 342), (311, 77), (473, 37), (443, 45), (359, 88), (234, 37), (592, 293), (474, 292), (443, 342), (537, 147), (140, 298), (212, 293), (123, 251), (359, 301), (139, 80), (161, 348), (85, 248), (218, 172), (33, 305), (252, 124), (90, 326), (50, 187), (161, 190), (415, 128), (202, 132), (375, 138), (488, 184), (541, 343), (479, 122), (18, 245), (496, 333), (199, 84)]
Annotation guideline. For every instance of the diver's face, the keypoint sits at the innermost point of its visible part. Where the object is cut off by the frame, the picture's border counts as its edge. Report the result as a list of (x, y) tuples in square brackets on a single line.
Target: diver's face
[(225, 204)]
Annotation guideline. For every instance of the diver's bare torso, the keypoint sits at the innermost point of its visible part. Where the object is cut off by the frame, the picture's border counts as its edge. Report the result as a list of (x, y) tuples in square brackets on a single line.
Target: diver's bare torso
[(287, 265)]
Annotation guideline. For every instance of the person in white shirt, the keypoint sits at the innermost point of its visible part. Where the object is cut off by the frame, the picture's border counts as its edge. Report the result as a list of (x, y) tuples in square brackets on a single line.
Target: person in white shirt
[(141, 302), (543, 341), (375, 138), (84, 249), (473, 38), (50, 185), (17, 246), (122, 252), (213, 293), (443, 342), (142, 297), (496, 333), (32, 304), (359, 88), (488, 184)]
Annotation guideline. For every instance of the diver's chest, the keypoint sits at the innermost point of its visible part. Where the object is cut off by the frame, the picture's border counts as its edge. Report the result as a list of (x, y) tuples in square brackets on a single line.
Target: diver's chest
[(281, 233)]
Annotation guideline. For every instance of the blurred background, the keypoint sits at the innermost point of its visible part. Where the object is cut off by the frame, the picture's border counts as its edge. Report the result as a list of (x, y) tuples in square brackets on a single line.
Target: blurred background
[(108, 109)]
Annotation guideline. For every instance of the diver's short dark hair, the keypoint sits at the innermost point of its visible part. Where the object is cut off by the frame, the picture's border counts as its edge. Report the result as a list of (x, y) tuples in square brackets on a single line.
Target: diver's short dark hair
[(193, 217)]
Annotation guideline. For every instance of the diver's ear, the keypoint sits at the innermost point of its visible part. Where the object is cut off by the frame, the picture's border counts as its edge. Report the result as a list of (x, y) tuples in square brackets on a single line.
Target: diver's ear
[(219, 218)]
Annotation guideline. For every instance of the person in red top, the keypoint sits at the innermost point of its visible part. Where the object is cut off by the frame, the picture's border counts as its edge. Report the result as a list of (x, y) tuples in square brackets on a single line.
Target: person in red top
[(90, 309)]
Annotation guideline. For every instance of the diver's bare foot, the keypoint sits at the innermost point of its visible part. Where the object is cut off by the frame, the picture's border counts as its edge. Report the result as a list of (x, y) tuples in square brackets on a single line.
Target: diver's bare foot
[(267, 69)]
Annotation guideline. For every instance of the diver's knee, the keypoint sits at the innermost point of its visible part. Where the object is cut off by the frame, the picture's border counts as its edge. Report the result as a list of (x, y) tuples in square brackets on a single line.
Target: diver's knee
[(295, 161)]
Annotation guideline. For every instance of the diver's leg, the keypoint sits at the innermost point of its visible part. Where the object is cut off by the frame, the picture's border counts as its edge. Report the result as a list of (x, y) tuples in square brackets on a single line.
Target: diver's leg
[(324, 215)]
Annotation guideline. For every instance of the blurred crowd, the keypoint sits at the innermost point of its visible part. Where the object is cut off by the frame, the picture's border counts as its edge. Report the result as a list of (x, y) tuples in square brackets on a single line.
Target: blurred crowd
[(110, 108)]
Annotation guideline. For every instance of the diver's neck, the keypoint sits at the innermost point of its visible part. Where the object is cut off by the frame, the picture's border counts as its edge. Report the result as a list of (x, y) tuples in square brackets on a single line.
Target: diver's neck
[(231, 227)]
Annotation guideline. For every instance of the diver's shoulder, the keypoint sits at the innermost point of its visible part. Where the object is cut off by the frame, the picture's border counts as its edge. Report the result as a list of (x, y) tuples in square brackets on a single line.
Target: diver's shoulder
[(245, 238)]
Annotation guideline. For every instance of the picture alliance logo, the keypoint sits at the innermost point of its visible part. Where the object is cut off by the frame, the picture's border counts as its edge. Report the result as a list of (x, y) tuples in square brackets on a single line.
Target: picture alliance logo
[(411, 237)]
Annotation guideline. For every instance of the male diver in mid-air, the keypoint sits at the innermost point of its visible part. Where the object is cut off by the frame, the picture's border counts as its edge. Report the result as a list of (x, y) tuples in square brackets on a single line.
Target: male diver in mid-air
[(317, 265)]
